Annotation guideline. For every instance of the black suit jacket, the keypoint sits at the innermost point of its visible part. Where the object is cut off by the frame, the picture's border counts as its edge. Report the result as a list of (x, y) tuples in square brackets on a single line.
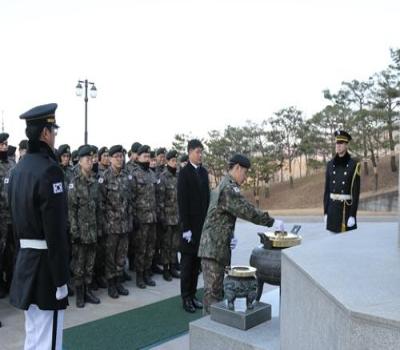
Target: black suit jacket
[(193, 200)]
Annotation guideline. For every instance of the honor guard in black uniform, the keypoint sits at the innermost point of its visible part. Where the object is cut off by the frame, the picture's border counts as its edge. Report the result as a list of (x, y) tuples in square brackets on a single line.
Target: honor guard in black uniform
[(38, 205), (342, 188)]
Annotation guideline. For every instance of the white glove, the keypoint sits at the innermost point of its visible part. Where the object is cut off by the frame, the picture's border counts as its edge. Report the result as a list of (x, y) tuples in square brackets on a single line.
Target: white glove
[(187, 235), (325, 218), (351, 221), (61, 292), (279, 225), (234, 242)]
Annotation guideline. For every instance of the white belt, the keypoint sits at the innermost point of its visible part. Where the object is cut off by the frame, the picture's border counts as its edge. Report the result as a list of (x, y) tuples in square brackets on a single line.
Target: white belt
[(340, 197), (33, 243)]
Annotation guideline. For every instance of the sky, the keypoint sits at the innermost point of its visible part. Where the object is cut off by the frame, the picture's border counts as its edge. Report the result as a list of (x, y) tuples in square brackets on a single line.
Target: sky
[(167, 67)]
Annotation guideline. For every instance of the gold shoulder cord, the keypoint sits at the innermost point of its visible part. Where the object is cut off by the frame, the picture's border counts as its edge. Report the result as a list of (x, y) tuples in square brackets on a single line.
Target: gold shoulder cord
[(350, 202)]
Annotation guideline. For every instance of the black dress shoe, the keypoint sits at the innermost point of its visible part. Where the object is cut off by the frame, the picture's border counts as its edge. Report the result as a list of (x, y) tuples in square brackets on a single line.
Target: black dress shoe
[(188, 306), (197, 303)]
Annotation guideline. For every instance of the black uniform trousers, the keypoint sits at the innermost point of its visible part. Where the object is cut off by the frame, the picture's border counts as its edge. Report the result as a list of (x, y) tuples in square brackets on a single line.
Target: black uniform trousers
[(190, 270)]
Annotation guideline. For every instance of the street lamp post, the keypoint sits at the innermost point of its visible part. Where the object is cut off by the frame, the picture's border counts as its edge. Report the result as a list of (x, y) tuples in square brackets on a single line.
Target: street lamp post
[(93, 94)]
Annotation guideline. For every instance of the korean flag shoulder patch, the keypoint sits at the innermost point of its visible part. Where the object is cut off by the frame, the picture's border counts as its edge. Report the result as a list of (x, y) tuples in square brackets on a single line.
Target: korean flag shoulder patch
[(100, 180), (58, 188), (130, 177), (6, 180)]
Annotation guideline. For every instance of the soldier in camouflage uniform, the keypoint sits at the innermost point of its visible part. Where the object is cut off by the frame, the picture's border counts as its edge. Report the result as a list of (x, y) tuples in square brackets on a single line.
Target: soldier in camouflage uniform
[(116, 187), (160, 155), (131, 166), (11, 155), (145, 211), (74, 158), (104, 160), (157, 164), (7, 243), (217, 238), (168, 216), (64, 158), (86, 222), (22, 148), (99, 266)]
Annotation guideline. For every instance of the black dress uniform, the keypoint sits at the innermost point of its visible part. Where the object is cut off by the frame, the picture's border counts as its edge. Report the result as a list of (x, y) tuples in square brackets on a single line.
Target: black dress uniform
[(38, 205), (342, 190)]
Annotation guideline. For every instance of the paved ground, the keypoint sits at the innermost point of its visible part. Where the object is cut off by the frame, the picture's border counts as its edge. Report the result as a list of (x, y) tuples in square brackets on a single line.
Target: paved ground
[(12, 332)]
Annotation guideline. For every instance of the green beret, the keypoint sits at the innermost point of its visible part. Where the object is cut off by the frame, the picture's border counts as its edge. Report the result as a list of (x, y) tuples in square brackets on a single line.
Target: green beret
[(135, 147), (3, 137), (74, 155), (94, 148), (144, 149), (184, 158), (63, 149), (152, 154), (240, 159), (23, 144), (85, 150), (171, 154), (161, 150), (102, 150), (115, 149)]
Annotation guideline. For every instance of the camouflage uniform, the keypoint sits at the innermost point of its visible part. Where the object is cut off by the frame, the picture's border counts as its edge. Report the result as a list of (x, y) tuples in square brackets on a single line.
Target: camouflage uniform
[(99, 265), (145, 211), (69, 174), (7, 243), (101, 170), (168, 216), (161, 230), (130, 167), (226, 204), (116, 190), (85, 217)]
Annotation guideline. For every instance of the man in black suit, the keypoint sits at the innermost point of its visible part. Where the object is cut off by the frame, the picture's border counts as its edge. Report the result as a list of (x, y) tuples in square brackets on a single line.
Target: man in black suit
[(193, 200)]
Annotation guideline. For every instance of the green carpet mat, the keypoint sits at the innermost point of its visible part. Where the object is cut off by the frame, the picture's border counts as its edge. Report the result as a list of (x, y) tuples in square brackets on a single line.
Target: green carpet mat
[(134, 329)]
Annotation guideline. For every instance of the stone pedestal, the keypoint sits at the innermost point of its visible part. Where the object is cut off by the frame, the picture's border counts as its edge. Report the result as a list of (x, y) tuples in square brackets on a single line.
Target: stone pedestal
[(243, 320), (342, 292), (206, 334)]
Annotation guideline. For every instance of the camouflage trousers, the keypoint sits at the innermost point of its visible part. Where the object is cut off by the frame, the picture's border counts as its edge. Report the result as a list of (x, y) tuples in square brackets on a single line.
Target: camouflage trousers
[(213, 275), (170, 244), (82, 263), (99, 265), (131, 249), (116, 253), (145, 242)]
